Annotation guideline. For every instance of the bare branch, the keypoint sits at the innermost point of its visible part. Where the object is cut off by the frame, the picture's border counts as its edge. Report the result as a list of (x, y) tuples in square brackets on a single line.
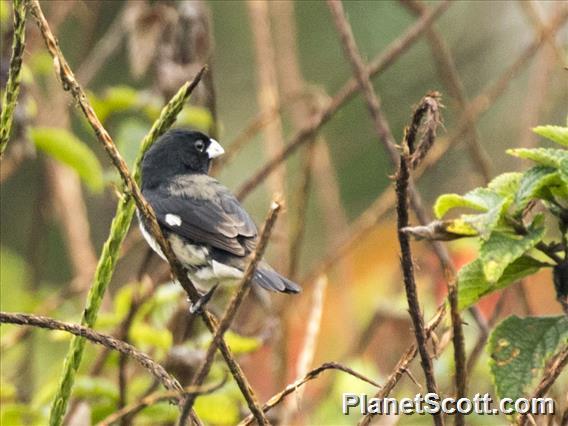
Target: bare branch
[(293, 387), (105, 340)]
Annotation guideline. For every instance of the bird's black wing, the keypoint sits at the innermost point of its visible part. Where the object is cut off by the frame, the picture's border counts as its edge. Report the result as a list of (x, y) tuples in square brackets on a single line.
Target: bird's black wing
[(208, 215)]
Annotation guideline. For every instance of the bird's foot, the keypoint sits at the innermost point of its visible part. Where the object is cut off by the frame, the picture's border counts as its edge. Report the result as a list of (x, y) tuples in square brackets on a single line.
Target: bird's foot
[(197, 307)]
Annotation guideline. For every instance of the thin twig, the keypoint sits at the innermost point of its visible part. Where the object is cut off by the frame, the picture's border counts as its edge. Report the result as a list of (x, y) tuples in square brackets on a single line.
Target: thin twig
[(154, 398), (312, 374), (166, 119), (232, 309), (105, 340), (307, 353), (402, 364), (377, 66), (12, 90), (551, 373)]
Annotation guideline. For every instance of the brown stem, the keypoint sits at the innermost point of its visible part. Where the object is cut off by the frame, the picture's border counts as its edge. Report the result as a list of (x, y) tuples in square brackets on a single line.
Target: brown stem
[(402, 364), (551, 373), (105, 340), (312, 374), (131, 410)]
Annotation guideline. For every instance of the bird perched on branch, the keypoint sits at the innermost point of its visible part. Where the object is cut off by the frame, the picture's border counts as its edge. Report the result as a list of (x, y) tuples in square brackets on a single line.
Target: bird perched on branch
[(210, 233)]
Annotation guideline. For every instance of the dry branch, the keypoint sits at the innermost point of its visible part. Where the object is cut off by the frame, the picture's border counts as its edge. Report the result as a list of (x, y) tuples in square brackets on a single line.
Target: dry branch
[(402, 364), (155, 398), (105, 340), (402, 182), (293, 387)]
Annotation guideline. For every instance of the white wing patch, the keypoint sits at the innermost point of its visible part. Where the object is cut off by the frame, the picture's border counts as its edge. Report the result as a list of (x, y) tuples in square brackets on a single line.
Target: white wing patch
[(173, 219)]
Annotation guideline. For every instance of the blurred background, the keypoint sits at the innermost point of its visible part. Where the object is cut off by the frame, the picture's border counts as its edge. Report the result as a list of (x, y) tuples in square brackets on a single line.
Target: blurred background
[(274, 67)]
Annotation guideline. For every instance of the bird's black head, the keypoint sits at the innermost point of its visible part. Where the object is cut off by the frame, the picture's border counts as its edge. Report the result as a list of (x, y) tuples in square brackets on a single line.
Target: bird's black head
[(178, 152)]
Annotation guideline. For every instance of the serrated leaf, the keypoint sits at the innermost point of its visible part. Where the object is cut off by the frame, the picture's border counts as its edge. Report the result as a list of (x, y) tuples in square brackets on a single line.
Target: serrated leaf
[(503, 248), (544, 156), (532, 183), (473, 285), (557, 134), (485, 223), (563, 171), (68, 149), (519, 349), (506, 184)]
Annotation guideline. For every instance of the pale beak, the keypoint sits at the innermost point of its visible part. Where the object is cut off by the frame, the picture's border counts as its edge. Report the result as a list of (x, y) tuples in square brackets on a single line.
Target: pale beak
[(215, 149)]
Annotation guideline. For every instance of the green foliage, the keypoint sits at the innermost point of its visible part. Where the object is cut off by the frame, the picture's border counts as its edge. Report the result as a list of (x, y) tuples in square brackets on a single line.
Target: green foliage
[(67, 149), (473, 285), (513, 246), (508, 232), (519, 349), (557, 134)]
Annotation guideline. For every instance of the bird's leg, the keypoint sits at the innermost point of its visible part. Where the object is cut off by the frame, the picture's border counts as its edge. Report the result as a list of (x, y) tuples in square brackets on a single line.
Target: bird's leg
[(197, 307)]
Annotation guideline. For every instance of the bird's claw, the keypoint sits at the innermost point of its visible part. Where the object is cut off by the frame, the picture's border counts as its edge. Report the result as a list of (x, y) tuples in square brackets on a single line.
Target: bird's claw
[(197, 307)]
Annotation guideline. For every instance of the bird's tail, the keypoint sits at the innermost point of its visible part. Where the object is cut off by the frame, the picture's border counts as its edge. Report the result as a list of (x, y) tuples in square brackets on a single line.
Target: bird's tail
[(270, 280)]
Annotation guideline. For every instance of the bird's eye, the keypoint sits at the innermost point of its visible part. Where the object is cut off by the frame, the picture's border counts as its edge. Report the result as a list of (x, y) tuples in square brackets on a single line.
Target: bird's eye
[(200, 145)]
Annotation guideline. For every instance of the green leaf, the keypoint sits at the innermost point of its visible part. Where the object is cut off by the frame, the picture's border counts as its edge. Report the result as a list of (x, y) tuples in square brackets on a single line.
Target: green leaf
[(557, 134), (481, 199), (532, 184), (66, 148), (239, 344), (544, 156), (473, 284), (506, 184), (503, 248), (519, 349), (563, 172)]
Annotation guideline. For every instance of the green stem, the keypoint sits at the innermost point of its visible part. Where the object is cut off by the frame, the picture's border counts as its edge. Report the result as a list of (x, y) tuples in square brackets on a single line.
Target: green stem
[(109, 257), (10, 96)]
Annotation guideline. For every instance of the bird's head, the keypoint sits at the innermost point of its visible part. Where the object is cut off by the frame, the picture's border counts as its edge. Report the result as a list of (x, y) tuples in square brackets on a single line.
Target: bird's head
[(178, 152)]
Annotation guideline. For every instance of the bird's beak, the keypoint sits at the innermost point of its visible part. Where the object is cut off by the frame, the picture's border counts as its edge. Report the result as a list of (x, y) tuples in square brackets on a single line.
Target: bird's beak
[(215, 149)]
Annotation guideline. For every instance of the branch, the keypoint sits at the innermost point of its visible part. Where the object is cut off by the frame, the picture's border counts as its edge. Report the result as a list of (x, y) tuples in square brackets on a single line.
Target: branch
[(69, 83), (232, 308), (105, 340), (312, 374), (377, 66), (407, 262), (154, 398), (403, 362), (12, 90), (553, 370)]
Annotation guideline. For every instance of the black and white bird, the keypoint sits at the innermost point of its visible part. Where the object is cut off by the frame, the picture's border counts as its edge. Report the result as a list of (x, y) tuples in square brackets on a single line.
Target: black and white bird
[(210, 233)]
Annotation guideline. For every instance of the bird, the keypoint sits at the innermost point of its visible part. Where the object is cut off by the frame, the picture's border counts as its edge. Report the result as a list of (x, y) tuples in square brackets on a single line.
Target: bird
[(209, 231)]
